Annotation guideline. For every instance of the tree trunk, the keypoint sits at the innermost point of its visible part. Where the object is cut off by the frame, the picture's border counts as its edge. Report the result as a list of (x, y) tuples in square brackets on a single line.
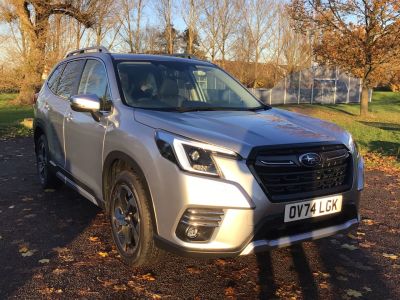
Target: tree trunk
[(34, 65), (256, 68), (190, 41), (137, 33), (364, 101)]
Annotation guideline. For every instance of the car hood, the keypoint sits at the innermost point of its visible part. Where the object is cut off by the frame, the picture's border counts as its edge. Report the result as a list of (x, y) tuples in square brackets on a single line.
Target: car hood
[(240, 131)]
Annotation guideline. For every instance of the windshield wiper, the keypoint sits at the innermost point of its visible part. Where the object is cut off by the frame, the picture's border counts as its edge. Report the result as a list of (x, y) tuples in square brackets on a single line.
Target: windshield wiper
[(261, 107), (207, 108), (200, 108), (216, 108)]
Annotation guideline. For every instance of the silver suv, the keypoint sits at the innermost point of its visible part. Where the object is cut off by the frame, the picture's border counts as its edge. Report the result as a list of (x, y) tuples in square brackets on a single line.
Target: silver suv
[(182, 157)]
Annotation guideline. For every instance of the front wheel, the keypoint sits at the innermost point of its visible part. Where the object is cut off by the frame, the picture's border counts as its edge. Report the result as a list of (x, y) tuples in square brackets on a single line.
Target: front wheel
[(131, 223)]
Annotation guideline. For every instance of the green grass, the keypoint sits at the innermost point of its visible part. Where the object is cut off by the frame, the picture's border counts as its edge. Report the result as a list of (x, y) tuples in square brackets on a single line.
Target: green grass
[(379, 132), (11, 115)]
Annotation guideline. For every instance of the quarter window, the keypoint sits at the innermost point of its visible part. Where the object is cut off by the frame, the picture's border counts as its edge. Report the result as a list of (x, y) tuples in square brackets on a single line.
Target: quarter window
[(54, 78), (70, 78)]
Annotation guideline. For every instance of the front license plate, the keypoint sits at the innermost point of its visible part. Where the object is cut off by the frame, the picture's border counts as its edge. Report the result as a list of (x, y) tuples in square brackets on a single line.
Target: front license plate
[(313, 208)]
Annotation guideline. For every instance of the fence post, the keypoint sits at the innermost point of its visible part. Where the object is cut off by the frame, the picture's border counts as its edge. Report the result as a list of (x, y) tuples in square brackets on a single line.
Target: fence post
[(348, 91), (298, 92), (312, 90), (270, 96), (284, 96), (334, 91)]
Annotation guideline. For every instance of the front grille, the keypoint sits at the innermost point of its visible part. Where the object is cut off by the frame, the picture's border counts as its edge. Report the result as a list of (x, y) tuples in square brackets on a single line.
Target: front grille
[(284, 178)]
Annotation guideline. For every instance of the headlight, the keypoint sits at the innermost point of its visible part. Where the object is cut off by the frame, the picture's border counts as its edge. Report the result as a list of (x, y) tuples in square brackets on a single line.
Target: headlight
[(189, 155), (352, 144)]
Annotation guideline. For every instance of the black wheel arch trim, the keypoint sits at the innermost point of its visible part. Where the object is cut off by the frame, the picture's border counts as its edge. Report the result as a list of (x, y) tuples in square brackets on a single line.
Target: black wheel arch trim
[(38, 125), (118, 155)]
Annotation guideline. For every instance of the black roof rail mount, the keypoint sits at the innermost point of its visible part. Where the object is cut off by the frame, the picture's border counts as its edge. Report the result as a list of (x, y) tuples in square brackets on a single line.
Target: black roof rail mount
[(184, 55), (88, 50)]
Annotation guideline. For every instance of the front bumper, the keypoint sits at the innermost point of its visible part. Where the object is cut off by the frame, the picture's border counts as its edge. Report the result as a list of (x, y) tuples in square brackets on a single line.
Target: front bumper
[(250, 224), (264, 244)]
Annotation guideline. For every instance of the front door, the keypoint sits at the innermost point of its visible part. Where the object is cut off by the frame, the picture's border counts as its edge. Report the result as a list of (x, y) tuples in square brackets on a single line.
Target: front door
[(83, 135)]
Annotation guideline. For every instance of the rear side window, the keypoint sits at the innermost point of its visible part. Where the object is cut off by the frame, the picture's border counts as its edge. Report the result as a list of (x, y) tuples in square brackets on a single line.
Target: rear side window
[(94, 80), (70, 78), (53, 80)]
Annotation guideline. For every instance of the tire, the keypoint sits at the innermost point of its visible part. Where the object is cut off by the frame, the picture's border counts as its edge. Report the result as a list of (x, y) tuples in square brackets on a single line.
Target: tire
[(47, 177), (131, 221)]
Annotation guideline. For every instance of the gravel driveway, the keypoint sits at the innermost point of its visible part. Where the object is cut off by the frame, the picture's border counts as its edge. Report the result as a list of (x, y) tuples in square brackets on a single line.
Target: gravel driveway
[(56, 244)]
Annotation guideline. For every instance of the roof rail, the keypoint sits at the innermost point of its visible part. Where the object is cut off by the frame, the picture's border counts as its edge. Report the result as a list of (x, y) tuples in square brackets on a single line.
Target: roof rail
[(88, 50), (184, 55)]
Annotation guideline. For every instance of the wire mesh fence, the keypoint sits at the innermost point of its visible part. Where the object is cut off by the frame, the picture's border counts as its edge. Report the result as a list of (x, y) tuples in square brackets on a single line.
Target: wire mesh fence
[(315, 85)]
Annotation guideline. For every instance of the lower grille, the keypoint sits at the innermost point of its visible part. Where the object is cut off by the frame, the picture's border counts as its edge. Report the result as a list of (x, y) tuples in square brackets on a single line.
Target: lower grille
[(285, 178), (273, 227)]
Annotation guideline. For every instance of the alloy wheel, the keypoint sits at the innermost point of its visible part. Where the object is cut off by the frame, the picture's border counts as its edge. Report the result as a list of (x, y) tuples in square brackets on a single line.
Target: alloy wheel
[(126, 219)]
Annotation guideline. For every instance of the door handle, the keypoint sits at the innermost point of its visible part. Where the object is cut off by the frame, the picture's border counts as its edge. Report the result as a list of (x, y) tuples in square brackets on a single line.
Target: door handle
[(69, 117)]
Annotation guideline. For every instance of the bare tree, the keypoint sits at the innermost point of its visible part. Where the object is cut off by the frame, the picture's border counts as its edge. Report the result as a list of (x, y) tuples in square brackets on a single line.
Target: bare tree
[(191, 14), (259, 17), (33, 17), (210, 28), (164, 10), (227, 18), (106, 26), (151, 40), (131, 20)]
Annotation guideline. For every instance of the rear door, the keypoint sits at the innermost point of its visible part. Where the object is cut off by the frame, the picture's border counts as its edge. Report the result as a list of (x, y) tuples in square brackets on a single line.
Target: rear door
[(58, 104), (53, 109), (83, 135)]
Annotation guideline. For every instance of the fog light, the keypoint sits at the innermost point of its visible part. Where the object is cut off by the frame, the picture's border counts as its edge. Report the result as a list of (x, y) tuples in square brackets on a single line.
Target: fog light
[(198, 224), (192, 232)]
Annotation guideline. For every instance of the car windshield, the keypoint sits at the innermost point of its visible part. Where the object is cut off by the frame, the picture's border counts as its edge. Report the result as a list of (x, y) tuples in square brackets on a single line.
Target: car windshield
[(182, 86)]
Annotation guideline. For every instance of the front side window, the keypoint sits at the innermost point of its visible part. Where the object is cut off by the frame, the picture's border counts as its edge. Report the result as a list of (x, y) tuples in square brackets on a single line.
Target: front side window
[(70, 78), (94, 80), (181, 85)]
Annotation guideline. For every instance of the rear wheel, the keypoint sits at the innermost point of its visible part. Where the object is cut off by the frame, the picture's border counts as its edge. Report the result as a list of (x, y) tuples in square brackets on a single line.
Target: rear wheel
[(47, 177), (131, 222)]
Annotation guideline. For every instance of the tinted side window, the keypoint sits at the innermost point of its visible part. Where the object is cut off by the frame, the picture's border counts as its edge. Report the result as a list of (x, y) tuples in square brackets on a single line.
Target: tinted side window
[(94, 80), (70, 78), (53, 80)]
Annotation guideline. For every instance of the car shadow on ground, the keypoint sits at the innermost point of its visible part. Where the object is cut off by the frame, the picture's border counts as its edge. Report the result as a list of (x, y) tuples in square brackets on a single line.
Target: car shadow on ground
[(321, 269), (381, 125), (33, 241), (385, 148), (34, 223)]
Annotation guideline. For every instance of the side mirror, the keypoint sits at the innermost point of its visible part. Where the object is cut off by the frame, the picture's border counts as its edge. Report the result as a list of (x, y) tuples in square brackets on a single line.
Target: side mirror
[(85, 103)]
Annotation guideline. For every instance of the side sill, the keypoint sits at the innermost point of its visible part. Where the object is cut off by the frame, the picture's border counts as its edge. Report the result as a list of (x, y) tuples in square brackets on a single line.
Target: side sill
[(77, 188)]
